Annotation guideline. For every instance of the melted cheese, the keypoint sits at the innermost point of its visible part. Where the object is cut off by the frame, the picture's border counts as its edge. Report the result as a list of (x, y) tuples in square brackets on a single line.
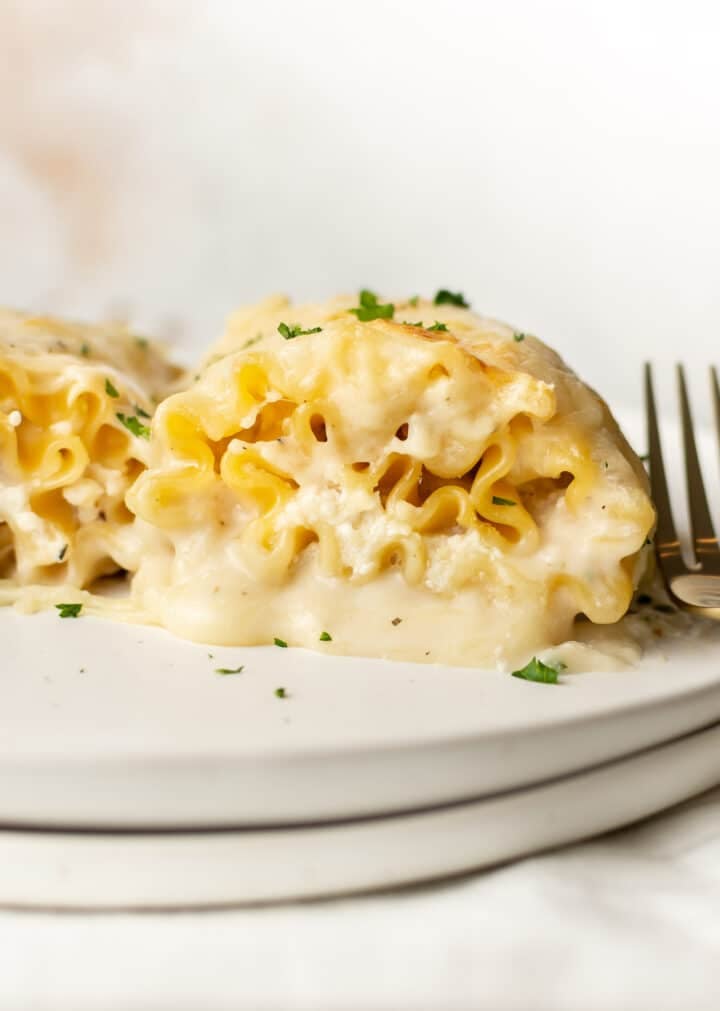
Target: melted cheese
[(462, 481), (66, 458)]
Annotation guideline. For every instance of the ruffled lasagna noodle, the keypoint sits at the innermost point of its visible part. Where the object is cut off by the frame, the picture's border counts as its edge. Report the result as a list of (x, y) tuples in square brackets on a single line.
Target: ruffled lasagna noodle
[(435, 489), (75, 406)]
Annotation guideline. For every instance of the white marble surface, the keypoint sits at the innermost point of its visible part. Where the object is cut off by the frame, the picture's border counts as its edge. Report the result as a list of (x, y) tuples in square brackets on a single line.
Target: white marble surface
[(627, 921)]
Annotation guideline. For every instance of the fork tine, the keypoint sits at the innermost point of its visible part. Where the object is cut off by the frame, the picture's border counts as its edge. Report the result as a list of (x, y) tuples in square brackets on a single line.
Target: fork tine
[(666, 537), (716, 396), (705, 543)]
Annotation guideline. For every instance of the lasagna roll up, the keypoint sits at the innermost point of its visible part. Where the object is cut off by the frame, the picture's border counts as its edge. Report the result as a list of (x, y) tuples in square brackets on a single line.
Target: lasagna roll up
[(75, 404), (436, 490)]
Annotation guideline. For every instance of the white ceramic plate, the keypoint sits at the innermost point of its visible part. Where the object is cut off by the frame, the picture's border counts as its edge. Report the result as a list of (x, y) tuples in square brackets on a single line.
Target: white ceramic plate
[(105, 726), (186, 869)]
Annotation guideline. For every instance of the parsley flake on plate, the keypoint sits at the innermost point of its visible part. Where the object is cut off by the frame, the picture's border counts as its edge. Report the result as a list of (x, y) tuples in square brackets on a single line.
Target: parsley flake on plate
[(288, 332), (62, 552), (325, 637), (438, 326), (518, 337), (230, 670), (414, 300), (497, 500), (536, 670), (140, 412), (110, 389), (69, 610), (280, 693), (370, 308), (280, 642), (134, 425), (406, 322), (142, 342), (445, 297)]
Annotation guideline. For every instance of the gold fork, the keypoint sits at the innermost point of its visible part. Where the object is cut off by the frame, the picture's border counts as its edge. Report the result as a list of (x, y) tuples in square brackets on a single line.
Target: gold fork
[(693, 588)]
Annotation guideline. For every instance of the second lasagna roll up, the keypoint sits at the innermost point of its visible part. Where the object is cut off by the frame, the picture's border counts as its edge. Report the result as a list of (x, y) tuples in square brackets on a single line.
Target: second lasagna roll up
[(75, 409), (428, 491)]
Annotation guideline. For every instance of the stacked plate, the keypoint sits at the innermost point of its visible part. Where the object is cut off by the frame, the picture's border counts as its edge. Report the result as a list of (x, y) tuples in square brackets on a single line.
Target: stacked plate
[(132, 774)]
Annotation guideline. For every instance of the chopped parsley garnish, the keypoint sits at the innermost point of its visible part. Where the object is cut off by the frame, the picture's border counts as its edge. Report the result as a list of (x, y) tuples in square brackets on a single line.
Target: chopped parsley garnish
[(536, 670), (69, 610), (110, 389), (84, 349), (142, 342), (518, 337), (134, 425), (414, 300), (288, 332), (406, 322), (280, 693), (229, 670), (497, 500), (62, 552), (370, 308), (325, 637), (445, 297), (281, 643), (438, 326), (140, 411)]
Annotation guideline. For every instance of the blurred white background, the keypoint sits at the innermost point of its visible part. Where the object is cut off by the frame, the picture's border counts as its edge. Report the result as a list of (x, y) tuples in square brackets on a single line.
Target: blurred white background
[(559, 162)]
